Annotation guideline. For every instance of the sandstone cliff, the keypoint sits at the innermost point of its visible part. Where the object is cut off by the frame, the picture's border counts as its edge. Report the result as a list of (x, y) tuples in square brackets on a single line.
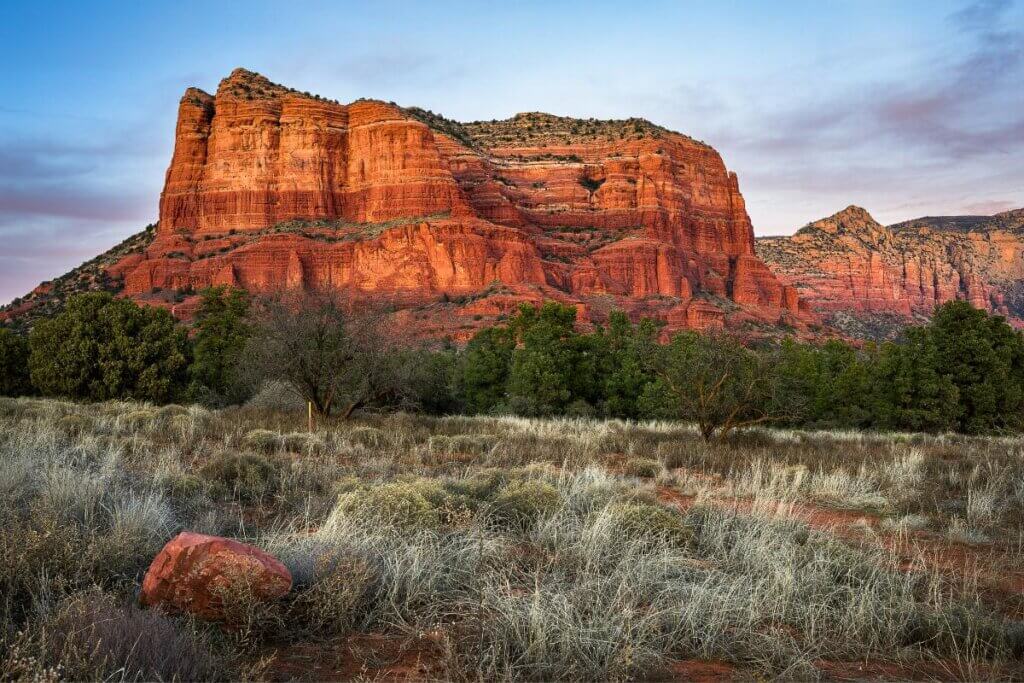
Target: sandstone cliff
[(455, 223), (868, 280)]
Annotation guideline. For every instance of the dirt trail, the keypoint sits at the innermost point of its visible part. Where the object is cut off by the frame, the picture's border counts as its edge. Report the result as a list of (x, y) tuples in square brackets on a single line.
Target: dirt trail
[(701, 671)]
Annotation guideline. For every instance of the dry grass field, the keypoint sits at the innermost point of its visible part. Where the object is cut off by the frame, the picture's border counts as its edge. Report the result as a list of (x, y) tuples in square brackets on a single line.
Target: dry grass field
[(507, 548)]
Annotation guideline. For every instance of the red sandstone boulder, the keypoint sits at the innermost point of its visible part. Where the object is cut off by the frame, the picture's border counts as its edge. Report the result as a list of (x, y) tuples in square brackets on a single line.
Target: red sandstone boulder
[(192, 572)]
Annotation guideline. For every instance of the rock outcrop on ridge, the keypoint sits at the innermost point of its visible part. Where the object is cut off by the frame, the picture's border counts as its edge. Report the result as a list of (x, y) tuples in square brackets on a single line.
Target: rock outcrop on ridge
[(868, 280)]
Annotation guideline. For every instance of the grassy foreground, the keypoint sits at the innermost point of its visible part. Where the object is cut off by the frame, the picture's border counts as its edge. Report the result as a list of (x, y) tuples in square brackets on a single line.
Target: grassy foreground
[(506, 548)]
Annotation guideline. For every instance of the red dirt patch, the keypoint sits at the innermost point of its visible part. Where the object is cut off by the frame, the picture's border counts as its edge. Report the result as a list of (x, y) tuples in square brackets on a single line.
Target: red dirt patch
[(701, 671), (916, 551), (366, 656)]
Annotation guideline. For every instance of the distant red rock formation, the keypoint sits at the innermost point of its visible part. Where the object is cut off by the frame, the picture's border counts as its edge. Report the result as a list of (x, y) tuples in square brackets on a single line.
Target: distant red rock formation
[(455, 223), (850, 267)]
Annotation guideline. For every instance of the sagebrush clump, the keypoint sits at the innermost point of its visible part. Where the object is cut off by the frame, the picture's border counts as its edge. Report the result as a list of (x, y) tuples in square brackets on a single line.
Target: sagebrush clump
[(246, 476)]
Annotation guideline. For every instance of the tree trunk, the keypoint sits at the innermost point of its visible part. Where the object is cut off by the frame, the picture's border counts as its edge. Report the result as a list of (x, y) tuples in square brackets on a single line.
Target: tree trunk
[(707, 431), (350, 409)]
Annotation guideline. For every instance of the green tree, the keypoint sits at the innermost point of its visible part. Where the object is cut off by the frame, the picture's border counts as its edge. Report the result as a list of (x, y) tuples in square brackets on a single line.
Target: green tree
[(963, 371), (14, 373), (909, 390), (831, 381), (222, 330), (626, 364), (102, 348), (714, 381), (544, 365), (482, 374), (983, 357)]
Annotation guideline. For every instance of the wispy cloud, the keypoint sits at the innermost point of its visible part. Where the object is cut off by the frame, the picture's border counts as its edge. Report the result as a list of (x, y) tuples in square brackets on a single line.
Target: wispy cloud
[(991, 207), (62, 202), (872, 138), (69, 180)]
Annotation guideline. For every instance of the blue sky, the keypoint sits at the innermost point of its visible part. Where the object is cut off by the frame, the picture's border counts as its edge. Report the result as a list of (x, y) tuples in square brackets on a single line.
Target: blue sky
[(906, 108)]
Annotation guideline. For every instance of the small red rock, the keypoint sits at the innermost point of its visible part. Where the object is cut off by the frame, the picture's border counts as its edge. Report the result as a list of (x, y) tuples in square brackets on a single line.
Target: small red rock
[(188, 573)]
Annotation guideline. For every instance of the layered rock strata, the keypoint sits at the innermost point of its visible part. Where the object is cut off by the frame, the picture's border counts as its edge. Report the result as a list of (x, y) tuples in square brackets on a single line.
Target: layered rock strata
[(855, 271), (456, 224)]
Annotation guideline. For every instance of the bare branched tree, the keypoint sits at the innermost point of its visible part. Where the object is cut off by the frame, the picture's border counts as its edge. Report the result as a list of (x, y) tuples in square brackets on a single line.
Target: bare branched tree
[(332, 353)]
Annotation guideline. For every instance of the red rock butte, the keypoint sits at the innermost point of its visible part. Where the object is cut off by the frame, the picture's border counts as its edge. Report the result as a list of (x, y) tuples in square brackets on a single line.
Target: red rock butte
[(455, 224)]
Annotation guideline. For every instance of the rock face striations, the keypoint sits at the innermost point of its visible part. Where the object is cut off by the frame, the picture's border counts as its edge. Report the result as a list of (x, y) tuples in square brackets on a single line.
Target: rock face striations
[(455, 223), (868, 279)]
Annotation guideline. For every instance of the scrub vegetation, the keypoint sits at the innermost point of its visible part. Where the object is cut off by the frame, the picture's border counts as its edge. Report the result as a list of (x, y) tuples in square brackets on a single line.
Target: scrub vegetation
[(483, 548)]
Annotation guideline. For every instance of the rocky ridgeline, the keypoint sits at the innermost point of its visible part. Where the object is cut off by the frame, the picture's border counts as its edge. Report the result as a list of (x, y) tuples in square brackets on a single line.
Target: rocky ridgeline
[(869, 280), (456, 224)]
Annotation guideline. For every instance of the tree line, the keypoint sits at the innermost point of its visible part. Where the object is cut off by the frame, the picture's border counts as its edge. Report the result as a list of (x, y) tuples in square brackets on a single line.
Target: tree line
[(963, 371)]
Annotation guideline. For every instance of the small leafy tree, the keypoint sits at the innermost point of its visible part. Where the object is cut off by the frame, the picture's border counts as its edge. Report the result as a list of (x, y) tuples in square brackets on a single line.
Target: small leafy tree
[(716, 382), (102, 348), (222, 331), (14, 373)]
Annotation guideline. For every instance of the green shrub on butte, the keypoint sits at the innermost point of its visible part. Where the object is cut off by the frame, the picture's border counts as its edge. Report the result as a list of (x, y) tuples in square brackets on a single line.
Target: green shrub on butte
[(101, 348), (14, 374)]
